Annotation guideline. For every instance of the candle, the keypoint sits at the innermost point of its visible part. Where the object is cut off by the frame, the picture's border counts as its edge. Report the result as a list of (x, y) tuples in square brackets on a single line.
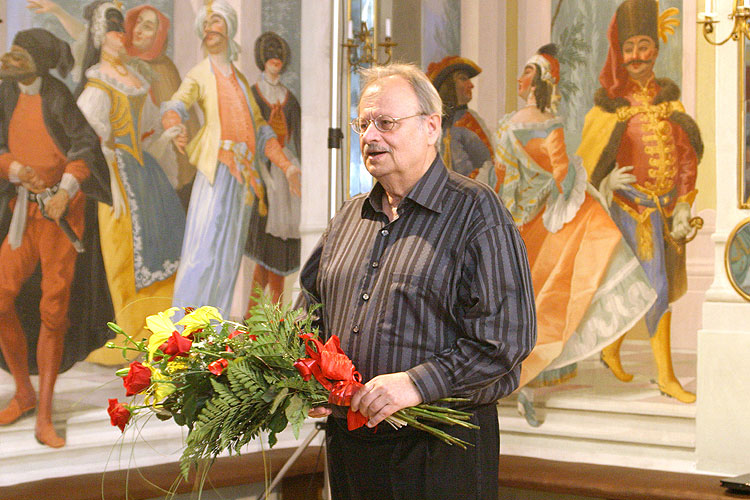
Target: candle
[(388, 27), (711, 6), (350, 30)]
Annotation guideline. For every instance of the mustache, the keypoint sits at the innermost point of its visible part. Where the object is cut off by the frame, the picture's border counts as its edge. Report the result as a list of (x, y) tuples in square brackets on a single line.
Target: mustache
[(209, 32), (375, 148), (638, 61)]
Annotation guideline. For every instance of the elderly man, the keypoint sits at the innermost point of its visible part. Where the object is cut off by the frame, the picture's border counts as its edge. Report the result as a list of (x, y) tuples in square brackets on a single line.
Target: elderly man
[(229, 152), (51, 159), (425, 280), (642, 151)]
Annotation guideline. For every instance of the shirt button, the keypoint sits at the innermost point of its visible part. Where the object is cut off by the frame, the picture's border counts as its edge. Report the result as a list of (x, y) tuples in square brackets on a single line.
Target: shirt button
[(365, 296), (375, 263), (355, 329), (385, 232)]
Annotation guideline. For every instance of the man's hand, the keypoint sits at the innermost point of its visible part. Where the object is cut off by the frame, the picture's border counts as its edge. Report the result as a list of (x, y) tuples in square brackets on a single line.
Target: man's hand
[(57, 204), (384, 395), (319, 411), (680, 221), (618, 178), (172, 119), (42, 6), (294, 178), (30, 180)]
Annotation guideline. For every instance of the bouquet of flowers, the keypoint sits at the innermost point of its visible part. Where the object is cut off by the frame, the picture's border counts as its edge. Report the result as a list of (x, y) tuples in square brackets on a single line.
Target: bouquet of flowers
[(227, 382)]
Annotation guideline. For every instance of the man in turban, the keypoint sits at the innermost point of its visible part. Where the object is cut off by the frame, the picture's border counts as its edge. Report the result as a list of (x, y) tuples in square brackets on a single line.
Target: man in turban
[(231, 149), (642, 151), (50, 164), (466, 146)]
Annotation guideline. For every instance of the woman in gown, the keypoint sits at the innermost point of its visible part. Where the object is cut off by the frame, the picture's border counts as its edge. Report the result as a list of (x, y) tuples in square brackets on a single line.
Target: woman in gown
[(141, 234), (588, 286)]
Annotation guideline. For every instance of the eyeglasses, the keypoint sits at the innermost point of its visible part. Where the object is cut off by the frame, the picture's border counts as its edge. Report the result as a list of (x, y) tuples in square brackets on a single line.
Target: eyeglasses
[(384, 123)]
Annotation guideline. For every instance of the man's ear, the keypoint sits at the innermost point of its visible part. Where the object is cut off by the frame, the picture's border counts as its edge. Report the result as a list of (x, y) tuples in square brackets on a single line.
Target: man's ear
[(433, 124)]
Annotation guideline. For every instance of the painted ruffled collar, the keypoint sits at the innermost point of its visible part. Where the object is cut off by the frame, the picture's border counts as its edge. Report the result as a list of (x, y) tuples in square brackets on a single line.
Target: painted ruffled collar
[(96, 72)]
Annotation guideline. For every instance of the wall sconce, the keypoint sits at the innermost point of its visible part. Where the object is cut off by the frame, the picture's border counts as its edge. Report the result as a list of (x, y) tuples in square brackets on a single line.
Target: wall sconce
[(740, 14), (361, 46)]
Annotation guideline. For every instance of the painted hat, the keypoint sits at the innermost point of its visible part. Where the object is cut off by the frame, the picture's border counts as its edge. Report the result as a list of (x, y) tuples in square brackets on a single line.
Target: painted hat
[(437, 72)]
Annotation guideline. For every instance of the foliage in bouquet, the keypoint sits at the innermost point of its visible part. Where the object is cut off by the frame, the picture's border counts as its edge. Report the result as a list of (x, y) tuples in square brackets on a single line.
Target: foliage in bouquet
[(225, 381), (228, 382)]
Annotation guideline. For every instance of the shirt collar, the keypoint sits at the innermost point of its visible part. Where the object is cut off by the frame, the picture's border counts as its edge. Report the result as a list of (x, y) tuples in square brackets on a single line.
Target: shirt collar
[(426, 192), (32, 88)]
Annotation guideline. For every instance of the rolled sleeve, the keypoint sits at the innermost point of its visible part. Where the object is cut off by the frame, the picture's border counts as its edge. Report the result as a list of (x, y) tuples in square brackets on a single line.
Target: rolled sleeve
[(498, 323)]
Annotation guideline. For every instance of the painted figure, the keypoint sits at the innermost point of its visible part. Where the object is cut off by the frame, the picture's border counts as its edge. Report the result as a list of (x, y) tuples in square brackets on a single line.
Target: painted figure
[(273, 238), (146, 34), (141, 234), (466, 146), (230, 152), (588, 286), (642, 150), (50, 162)]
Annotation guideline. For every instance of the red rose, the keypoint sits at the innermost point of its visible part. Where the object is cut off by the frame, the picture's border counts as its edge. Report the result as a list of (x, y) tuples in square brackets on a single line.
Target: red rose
[(177, 345), (119, 414), (218, 366), (137, 379)]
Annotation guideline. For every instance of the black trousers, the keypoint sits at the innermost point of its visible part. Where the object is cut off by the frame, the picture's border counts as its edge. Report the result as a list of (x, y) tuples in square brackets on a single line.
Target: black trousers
[(408, 464)]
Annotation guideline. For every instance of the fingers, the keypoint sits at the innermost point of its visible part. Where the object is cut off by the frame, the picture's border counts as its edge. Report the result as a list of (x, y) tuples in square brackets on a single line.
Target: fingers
[(319, 412)]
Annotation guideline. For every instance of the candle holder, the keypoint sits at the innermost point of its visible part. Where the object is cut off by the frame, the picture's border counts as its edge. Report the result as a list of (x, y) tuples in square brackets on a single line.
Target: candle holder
[(740, 15), (362, 49)]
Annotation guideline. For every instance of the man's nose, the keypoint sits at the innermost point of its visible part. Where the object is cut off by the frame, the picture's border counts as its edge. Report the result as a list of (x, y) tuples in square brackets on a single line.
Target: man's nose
[(370, 132)]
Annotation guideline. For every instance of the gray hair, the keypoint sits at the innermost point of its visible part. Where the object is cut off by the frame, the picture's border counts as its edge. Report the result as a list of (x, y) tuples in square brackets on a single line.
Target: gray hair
[(427, 96)]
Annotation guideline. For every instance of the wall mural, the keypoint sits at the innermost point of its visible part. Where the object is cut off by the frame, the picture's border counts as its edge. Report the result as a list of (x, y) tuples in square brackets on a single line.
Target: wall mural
[(628, 171), (164, 204)]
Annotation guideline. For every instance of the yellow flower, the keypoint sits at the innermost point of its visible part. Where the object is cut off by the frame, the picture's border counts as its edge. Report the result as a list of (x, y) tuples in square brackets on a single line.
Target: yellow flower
[(161, 327), (179, 364), (199, 319), (161, 387)]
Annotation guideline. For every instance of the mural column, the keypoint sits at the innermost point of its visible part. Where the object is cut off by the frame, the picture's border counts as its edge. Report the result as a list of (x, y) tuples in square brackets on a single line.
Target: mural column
[(722, 433), (315, 102)]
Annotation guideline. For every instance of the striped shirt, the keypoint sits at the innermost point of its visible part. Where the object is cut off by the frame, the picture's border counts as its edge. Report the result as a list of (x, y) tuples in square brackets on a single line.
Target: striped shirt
[(443, 292)]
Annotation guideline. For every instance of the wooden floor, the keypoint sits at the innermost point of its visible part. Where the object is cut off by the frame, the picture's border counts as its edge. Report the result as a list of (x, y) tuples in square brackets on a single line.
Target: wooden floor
[(586, 480)]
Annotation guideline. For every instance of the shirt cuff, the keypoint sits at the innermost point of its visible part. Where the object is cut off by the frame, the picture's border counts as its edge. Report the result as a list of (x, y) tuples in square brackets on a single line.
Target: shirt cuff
[(431, 381), (13, 170), (70, 184), (177, 106)]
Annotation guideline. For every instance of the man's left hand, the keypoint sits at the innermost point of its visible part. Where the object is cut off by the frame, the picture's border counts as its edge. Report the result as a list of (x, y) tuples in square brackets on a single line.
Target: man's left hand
[(680, 221), (384, 395), (57, 204)]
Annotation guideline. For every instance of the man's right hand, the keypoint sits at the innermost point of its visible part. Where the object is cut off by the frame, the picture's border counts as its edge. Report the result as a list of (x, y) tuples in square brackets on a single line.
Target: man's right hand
[(30, 180), (618, 178), (319, 412)]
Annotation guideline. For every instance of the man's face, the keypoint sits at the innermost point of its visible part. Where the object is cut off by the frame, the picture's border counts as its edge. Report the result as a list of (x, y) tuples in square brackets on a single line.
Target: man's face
[(215, 34), (639, 56), (17, 65), (525, 80), (405, 147), (146, 27), (463, 87), (273, 66)]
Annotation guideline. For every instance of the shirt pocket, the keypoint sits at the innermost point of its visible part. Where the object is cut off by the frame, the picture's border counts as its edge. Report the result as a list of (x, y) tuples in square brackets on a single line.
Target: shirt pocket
[(411, 320)]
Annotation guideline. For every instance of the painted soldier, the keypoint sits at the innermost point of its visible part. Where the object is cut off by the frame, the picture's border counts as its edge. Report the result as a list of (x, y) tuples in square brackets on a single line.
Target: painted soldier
[(642, 151), (466, 146)]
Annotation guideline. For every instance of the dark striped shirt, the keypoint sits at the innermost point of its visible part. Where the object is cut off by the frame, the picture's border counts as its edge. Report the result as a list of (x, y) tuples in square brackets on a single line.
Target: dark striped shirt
[(443, 292)]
